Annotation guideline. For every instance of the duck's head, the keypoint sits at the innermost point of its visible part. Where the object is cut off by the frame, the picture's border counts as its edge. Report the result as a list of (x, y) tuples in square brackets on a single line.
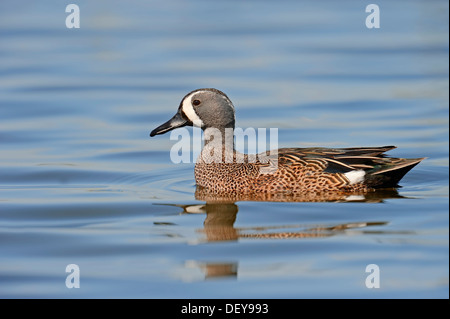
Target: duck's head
[(202, 108)]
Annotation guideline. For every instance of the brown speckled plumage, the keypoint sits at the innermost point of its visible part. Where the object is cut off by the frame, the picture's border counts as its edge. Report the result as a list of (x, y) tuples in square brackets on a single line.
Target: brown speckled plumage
[(303, 170), (294, 170)]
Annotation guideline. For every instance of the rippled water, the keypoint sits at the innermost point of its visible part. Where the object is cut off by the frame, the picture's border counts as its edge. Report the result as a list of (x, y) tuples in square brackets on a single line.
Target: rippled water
[(82, 183)]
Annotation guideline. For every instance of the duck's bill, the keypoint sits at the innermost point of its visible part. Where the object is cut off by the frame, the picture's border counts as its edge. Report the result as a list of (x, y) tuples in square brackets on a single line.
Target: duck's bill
[(179, 120)]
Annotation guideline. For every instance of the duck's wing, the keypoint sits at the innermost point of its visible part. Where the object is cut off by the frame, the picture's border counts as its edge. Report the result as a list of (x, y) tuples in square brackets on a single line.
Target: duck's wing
[(333, 152), (380, 171)]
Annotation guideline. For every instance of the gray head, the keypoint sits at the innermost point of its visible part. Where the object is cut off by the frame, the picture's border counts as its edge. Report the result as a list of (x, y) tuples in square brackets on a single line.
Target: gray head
[(202, 108)]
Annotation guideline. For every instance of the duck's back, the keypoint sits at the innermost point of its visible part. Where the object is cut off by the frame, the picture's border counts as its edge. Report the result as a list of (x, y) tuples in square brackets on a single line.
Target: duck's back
[(300, 170)]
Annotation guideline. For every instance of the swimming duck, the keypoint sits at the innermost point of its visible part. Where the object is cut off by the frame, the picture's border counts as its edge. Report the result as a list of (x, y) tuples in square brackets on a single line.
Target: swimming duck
[(221, 169)]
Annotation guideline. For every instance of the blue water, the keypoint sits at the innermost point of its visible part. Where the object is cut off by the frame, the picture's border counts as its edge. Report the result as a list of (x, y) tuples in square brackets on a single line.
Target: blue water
[(82, 183)]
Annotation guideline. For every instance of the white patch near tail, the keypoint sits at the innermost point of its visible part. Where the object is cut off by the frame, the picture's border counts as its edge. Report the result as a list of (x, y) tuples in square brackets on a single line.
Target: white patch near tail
[(355, 176), (352, 198)]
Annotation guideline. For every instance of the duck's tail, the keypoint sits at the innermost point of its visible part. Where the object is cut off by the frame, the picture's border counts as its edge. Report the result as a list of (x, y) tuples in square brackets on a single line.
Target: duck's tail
[(390, 173)]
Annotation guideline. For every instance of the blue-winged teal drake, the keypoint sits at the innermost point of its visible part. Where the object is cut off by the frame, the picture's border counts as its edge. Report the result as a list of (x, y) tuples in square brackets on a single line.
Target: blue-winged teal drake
[(297, 170)]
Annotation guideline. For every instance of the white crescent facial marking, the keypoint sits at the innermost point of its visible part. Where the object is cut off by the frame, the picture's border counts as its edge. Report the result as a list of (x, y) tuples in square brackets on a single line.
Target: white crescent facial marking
[(196, 209), (188, 109), (355, 176)]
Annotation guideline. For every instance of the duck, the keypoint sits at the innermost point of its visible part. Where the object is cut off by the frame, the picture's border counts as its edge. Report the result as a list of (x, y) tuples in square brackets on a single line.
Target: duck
[(220, 169)]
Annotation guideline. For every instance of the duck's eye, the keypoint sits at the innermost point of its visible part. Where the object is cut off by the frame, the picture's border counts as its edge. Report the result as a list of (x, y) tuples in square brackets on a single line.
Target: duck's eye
[(196, 102)]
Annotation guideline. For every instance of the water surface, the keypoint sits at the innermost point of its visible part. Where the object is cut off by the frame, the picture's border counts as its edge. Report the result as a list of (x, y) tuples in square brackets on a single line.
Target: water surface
[(82, 183)]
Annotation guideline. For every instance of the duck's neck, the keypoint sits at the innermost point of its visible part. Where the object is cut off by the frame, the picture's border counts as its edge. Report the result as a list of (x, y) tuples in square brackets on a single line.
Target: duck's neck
[(218, 146)]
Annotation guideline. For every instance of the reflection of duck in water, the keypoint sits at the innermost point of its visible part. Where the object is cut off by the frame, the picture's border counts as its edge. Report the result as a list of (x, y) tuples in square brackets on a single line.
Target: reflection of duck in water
[(220, 218), (222, 170), (377, 196), (219, 226)]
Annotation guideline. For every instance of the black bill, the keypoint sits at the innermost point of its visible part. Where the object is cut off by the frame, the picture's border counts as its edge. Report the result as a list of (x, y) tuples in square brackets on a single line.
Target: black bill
[(179, 120)]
